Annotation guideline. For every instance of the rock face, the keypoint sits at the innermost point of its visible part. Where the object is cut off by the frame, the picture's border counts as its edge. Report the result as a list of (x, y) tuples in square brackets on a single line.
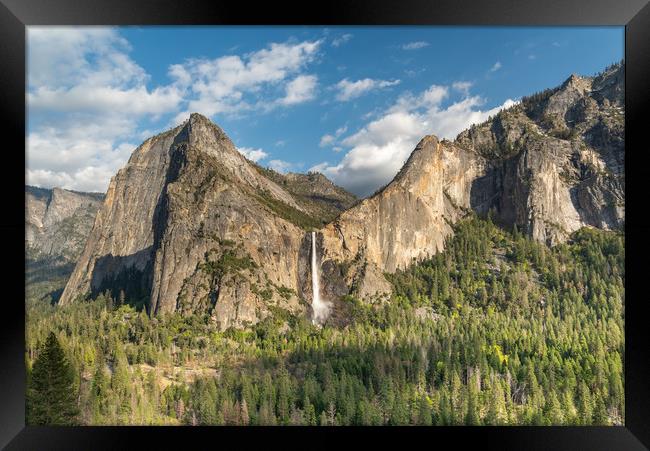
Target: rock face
[(58, 222), (191, 225), (555, 162), (314, 192), (550, 165)]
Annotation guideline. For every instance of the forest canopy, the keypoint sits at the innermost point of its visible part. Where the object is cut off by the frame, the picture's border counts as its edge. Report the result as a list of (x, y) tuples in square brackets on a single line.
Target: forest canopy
[(497, 329)]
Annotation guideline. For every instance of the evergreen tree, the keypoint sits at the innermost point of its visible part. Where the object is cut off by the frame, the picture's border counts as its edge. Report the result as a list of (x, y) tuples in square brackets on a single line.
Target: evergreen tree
[(528, 350), (243, 414), (51, 392)]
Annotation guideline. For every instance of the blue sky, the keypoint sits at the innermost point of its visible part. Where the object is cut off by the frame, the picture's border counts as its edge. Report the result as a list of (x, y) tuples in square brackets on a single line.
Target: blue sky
[(350, 102)]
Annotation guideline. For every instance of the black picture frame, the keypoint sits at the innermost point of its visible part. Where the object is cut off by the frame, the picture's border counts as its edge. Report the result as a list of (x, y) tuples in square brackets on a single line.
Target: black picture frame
[(15, 15)]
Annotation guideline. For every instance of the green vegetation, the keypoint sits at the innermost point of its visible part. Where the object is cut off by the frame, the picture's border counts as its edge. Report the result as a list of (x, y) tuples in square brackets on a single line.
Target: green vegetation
[(51, 390), (289, 213), (498, 329), (314, 192), (534, 104), (45, 279), (228, 262)]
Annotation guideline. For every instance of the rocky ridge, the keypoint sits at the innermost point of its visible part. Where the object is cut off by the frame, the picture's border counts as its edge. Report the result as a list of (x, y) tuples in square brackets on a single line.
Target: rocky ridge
[(314, 192), (549, 165), (57, 222), (190, 225)]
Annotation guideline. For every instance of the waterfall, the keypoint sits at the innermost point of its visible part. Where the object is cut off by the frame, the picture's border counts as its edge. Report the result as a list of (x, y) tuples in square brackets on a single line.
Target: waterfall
[(319, 307)]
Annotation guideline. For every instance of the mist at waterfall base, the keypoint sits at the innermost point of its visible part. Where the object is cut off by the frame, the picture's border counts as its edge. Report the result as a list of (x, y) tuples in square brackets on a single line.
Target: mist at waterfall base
[(321, 309)]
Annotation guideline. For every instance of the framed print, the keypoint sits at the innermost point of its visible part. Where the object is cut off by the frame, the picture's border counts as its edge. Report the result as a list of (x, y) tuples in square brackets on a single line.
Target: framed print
[(358, 215)]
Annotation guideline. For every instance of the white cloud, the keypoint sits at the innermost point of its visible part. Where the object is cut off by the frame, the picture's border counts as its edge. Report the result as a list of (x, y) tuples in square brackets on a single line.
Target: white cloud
[(253, 154), (58, 57), (378, 150), (496, 66), (319, 167), (462, 86), (74, 158), (338, 41), (327, 140), (300, 89), (88, 101), (415, 45), (349, 90), (100, 99), (233, 84), (86, 98), (281, 166)]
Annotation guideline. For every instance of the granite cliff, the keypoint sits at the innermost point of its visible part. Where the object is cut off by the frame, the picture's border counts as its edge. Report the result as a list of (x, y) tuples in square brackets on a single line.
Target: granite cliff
[(549, 165), (57, 222), (190, 225)]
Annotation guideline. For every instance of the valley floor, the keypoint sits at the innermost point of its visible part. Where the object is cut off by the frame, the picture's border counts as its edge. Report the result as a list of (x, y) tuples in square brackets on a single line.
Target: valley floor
[(498, 329)]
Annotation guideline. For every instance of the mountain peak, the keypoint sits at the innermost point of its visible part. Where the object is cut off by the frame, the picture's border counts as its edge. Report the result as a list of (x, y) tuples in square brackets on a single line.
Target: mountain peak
[(198, 125), (198, 118), (196, 115), (577, 82), (418, 159)]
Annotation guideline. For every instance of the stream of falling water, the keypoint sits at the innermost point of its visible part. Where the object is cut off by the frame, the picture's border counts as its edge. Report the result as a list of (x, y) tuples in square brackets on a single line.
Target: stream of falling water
[(319, 307)]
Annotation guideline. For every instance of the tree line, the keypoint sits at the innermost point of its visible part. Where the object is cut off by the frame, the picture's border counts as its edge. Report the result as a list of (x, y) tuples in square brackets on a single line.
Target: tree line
[(497, 329)]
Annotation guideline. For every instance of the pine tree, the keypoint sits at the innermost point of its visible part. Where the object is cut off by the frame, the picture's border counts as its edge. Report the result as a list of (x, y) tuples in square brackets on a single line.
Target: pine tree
[(309, 413), (243, 414), (471, 416), (424, 412), (51, 394), (99, 392), (497, 405), (323, 419)]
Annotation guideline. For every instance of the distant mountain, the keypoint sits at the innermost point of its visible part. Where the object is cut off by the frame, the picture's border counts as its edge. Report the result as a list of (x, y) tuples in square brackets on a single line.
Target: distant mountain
[(191, 225), (314, 192), (555, 162), (550, 165), (57, 222)]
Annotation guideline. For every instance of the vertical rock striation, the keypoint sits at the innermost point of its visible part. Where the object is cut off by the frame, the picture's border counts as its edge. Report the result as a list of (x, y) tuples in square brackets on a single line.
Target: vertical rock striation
[(57, 223), (549, 165), (190, 225)]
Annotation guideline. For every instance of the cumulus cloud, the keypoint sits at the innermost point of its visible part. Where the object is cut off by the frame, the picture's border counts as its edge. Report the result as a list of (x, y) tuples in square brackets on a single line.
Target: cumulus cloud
[(100, 99), (462, 86), (281, 166), (85, 98), (79, 158), (340, 40), (300, 89), (58, 57), (496, 67), (379, 149), (328, 140), (253, 154), (348, 90), (415, 45), (233, 84), (89, 101)]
